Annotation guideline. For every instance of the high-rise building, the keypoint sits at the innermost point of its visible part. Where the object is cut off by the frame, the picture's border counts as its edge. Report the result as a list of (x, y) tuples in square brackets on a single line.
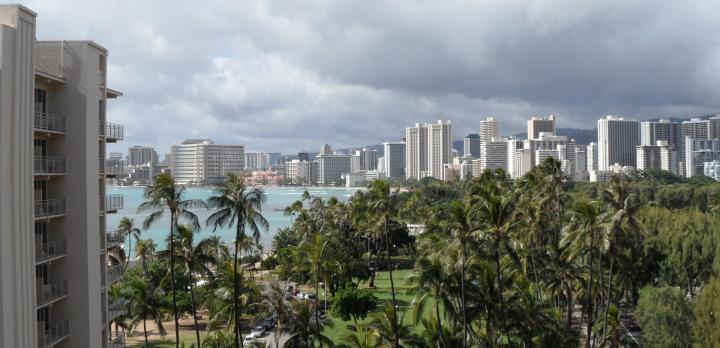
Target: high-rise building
[(256, 161), (652, 131), (416, 151), (303, 156), (301, 172), (200, 161), (712, 170), (332, 167), (368, 159), (394, 159), (513, 145), (617, 142), (54, 268), (696, 128), (471, 146), (494, 154), (537, 125), (139, 155), (274, 158), (699, 151), (489, 129), (592, 156), (662, 156), (520, 162), (439, 152), (355, 163), (581, 160), (548, 141), (325, 149)]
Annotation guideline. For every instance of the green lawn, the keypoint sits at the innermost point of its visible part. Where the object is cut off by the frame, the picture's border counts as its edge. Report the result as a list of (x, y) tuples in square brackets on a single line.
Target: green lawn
[(187, 339), (383, 293)]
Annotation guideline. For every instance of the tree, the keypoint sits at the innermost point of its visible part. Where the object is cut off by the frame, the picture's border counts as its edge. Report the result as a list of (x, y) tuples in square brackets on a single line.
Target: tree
[(236, 203), (362, 336), (144, 303), (384, 206), (128, 229), (352, 303), (665, 317), (302, 324), (196, 259), (706, 329), (165, 197)]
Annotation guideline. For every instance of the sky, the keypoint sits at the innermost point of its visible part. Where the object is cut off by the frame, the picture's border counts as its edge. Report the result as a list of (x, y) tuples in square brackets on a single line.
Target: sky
[(285, 75)]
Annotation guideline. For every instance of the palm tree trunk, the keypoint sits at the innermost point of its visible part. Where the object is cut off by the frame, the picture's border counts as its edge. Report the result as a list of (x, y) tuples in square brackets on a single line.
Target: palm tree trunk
[(127, 257), (439, 320), (500, 288), (317, 305), (392, 288), (590, 301), (534, 268), (236, 286), (193, 308), (569, 304), (462, 294), (609, 299), (173, 223), (147, 344)]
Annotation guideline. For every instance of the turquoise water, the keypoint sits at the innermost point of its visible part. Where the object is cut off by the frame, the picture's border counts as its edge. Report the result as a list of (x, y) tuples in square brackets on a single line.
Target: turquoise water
[(277, 199)]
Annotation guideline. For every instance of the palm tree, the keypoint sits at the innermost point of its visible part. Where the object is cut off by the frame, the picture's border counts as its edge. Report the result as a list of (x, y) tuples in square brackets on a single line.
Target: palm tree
[(430, 280), (391, 329), (143, 304), (311, 257), (384, 205), (218, 339), (128, 229), (276, 300), (497, 210), (622, 208), (361, 336), (145, 250), (164, 197), (581, 236), (302, 324), (236, 203), (196, 258)]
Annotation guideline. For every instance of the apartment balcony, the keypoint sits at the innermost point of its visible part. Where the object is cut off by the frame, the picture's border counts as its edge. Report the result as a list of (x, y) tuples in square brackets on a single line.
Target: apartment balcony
[(116, 340), (111, 203), (49, 208), (110, 168), (50, 251), (115, 239), (53, 335), (111, 132), (116, 308), (49, 165), (48, 294), (49, 123), (114, 273)]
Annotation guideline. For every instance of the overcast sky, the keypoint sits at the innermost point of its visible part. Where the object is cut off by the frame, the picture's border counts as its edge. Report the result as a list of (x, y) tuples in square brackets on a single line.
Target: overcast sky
[(290, 75)]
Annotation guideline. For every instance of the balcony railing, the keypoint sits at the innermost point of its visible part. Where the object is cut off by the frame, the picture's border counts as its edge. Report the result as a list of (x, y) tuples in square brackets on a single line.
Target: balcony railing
[(47, 165), (111, 131), (113, 203), (49, 122), (111, 168), (116, 308), (49, 293), (114, 273), (115, 238), (116, 340), (50, 251), (49, 207), (54, 334)]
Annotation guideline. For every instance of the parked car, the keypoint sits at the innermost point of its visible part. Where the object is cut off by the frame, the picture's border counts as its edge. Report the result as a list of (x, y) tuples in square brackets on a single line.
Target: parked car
[(258, 331), (269, 323), (249, 340)]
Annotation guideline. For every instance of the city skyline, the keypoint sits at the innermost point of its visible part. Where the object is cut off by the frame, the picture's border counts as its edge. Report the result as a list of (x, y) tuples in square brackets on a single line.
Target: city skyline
[(280, 76)]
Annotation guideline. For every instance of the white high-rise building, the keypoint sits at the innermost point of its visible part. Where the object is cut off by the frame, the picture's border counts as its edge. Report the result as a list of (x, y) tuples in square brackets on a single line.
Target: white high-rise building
[(652, 131), (712, 170), (581, 160), (489, 129), (542, 154), (200, 161), (617, 142), (416, 151), (331, 168), (54, 269), (548, 141), (368, 159), (515, 163), (537, 125), (301, 172), (493, 155), (592, 156), (256, 161), (661, 156), (699, 151), (440, 150), (394, 159), (326, 149), (521, 163), (355, 163)]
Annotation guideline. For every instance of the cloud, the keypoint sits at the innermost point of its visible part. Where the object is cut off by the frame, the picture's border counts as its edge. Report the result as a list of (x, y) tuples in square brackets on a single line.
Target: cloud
[(284, 75)]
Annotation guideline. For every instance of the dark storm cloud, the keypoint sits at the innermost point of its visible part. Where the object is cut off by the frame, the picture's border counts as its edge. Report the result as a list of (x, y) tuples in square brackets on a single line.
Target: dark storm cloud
[(290, 75)]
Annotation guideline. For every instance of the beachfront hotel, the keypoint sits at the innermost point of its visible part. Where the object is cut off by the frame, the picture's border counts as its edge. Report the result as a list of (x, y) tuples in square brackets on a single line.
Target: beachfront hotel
[(54, 266)]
